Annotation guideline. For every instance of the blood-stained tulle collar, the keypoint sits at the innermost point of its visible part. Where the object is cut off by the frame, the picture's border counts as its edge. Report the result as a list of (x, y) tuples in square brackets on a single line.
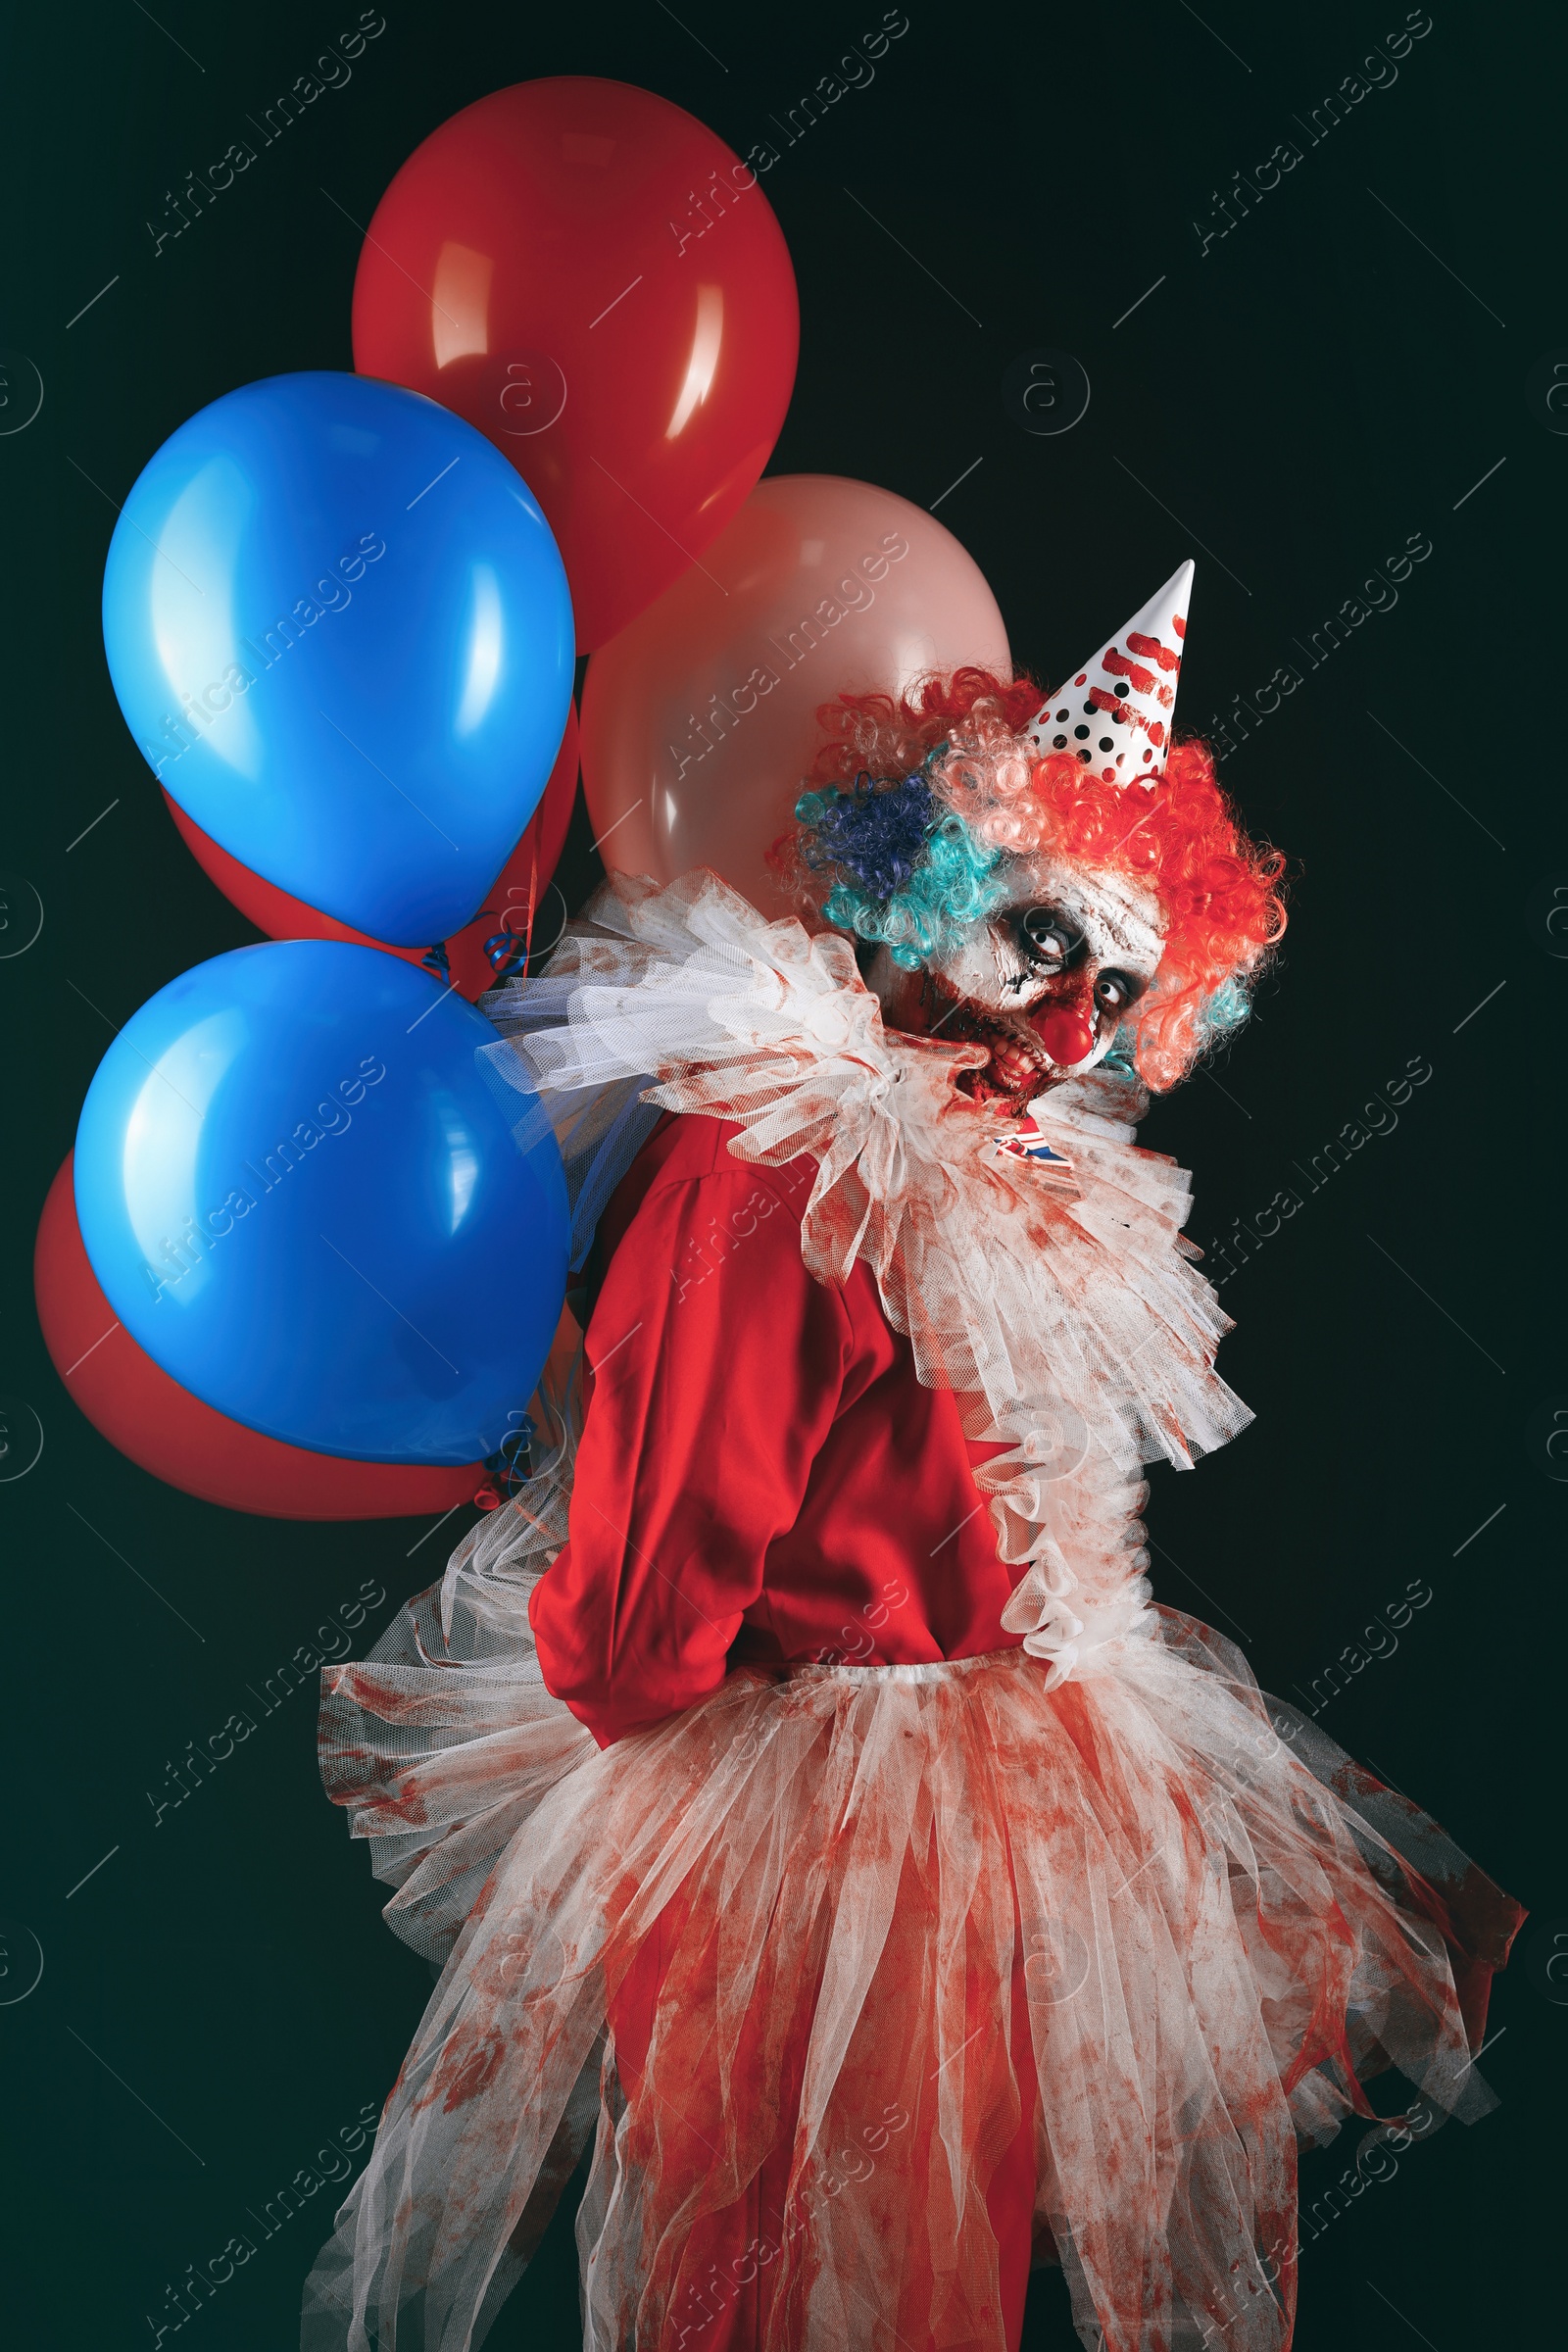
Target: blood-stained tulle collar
[(1036, 1266)]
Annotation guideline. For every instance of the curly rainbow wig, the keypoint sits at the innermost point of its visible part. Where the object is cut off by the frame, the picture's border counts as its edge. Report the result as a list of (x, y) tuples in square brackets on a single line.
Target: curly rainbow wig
[(915, 807)]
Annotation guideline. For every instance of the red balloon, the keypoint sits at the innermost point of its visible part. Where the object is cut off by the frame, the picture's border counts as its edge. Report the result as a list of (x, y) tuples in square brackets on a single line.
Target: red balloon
[(165, 1430), (521, 883), (594, 279)]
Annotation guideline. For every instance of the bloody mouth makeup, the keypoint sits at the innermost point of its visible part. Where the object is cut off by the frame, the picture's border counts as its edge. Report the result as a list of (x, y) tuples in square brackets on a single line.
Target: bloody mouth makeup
[(1044, 982)]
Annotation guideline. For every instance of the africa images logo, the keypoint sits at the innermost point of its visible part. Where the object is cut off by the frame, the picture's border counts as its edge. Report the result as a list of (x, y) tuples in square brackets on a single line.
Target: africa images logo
[(331, 594), (198, 1237)]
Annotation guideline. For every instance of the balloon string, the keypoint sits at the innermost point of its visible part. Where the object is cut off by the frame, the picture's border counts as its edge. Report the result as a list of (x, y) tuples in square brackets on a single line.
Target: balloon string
[(533, 894), (502, 947)]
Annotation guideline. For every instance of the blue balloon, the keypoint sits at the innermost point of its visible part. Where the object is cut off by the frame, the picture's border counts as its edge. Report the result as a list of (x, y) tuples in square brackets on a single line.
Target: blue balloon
[(340, 629), (301, 1197)]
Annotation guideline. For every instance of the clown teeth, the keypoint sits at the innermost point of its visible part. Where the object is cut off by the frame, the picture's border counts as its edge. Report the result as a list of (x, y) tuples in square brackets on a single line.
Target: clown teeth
[(1019, 1068)]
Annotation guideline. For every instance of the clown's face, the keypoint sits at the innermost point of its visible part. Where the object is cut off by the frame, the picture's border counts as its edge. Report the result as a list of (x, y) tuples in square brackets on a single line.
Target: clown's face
[(1045, 981)]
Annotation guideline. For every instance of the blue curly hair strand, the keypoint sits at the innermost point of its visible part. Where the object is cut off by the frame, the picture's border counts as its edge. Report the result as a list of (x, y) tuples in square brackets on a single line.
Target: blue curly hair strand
[(908, 873)]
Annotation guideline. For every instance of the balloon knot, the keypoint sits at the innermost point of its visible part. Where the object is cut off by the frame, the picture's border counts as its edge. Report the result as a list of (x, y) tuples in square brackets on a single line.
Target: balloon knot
[(509, 1466), (506, 951)]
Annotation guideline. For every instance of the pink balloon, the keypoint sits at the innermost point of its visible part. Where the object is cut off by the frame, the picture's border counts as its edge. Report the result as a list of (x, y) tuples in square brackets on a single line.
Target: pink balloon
[(699, 720)]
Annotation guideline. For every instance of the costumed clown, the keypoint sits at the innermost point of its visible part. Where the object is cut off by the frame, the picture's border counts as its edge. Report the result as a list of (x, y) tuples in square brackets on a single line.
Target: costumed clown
[(824, 1838)]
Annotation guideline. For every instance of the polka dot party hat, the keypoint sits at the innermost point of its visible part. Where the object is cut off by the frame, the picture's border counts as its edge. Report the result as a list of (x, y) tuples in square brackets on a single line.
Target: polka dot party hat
[(1116, 711)]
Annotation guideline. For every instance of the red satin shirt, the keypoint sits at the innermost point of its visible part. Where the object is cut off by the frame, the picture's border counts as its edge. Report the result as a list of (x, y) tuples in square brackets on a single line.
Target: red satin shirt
[(761, 1477)]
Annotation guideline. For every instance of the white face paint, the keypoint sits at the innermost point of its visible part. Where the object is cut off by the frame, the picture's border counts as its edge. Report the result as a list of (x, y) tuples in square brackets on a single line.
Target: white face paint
[(1045, 981)]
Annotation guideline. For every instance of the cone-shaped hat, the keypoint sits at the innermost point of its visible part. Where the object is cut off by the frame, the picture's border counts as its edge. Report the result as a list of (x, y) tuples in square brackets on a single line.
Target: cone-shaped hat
[(1116, 710)]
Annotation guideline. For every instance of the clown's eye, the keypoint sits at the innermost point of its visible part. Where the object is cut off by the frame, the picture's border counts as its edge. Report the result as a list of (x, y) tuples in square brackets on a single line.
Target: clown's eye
[(1114, 991), (1049, 939)]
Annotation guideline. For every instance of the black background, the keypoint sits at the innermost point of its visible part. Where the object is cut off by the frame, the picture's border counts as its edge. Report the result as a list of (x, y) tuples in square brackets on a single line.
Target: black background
[(1289, 405)]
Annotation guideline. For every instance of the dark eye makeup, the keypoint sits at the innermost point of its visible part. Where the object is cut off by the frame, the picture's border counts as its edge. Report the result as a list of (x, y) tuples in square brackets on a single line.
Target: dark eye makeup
[(1049, 939), (1052, 943), (1114, 991)]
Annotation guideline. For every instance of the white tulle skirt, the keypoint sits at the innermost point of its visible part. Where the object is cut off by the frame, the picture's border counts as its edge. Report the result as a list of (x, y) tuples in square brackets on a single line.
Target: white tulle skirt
[(801, 1962)]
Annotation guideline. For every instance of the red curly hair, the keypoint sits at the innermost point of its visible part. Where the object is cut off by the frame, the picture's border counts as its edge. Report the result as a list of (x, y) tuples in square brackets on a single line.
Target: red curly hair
[(1218, 892)]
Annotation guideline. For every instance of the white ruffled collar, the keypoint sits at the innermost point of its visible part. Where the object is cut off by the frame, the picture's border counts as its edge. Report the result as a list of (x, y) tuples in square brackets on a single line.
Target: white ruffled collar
[(1059, 1303)]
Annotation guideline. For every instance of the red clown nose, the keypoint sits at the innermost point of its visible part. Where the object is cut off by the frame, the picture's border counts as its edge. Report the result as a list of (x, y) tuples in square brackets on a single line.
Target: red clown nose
[(1065, 1035)]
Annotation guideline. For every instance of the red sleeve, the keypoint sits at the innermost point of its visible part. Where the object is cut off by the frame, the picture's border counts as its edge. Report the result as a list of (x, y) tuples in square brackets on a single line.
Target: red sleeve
[(717, 1362)]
